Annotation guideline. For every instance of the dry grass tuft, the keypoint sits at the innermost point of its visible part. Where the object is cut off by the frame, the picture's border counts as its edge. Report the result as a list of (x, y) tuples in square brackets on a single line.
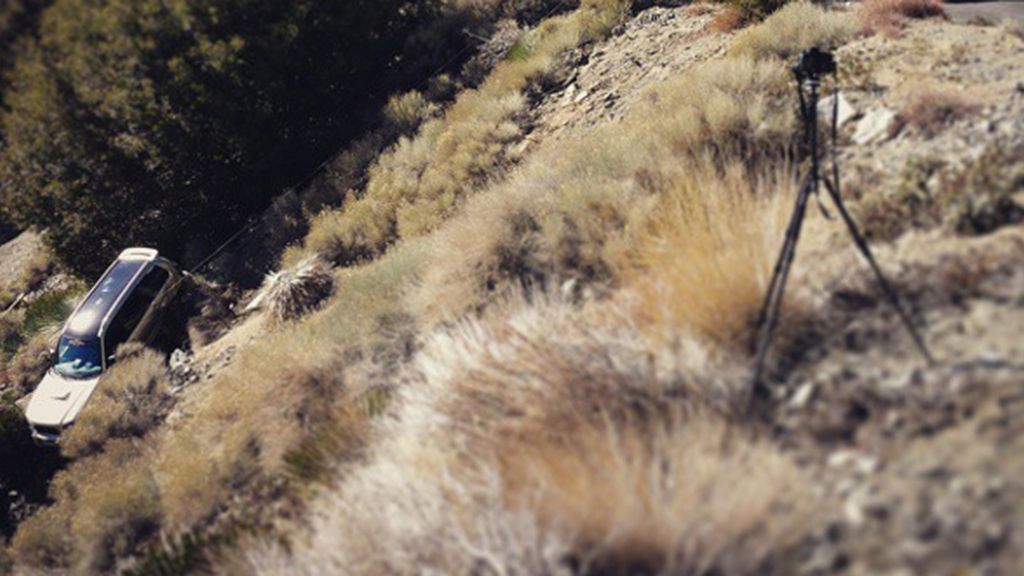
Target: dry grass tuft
[(930, 108), (572, 213), (793, 28), (704, 263), (546, 436), (290, 294), (131, 400), (889, 17)]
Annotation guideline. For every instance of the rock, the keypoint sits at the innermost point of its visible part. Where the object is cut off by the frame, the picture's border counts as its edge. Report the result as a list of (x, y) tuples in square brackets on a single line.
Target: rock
[(863, 505), (802, 396), (854, 460), (846, 110), (874, 126)]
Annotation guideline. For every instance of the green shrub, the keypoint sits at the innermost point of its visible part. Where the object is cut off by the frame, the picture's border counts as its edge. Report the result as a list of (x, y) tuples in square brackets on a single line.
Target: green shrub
[(423, 180), (131, 121)]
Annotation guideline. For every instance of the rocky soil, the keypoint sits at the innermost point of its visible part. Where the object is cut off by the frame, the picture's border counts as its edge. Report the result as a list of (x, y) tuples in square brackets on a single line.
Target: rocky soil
[(922, 465)]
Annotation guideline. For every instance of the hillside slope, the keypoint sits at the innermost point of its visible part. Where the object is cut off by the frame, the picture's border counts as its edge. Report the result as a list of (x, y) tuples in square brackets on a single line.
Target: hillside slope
[(535, 359)]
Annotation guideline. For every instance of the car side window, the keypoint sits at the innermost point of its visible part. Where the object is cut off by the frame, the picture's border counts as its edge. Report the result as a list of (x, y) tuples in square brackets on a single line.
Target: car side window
[(134, 308)]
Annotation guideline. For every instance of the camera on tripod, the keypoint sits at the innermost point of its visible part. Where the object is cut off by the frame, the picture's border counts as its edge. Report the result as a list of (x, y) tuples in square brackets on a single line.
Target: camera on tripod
[(813, 63)]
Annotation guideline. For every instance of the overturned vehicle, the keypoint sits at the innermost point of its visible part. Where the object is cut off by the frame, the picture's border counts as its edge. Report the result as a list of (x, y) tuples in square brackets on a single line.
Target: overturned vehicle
[(125, 305)]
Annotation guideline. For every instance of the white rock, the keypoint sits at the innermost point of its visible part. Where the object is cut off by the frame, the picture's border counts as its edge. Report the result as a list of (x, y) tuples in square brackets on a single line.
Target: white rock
[(846, 110), (802, 396), (874, 126)]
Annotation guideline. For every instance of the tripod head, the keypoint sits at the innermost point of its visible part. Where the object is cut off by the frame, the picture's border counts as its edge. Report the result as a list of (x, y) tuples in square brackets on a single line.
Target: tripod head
[(812, 64)]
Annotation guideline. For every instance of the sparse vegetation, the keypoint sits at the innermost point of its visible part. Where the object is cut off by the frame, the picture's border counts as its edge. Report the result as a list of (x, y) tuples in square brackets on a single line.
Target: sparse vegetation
[(418, 184), (571, 214), (929, 108), (888, 17)]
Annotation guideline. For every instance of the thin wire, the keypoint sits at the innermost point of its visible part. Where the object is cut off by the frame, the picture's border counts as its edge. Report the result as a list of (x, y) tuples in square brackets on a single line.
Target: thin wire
[(323, 165)]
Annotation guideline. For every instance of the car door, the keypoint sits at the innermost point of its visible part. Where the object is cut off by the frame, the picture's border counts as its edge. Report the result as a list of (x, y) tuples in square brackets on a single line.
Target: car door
[(135, 319)]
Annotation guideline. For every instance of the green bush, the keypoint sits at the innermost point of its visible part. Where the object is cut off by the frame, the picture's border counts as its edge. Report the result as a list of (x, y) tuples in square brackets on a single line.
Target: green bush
[(130, 121)]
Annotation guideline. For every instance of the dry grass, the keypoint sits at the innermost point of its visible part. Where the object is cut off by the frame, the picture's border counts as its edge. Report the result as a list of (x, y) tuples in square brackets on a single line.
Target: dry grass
[(103, 506), (422, 180), (282, 390), (929, 108), (795, 27), (889, 17), (290, 294), (131, 400), (28, 366), (705, 261), (548, 436), (572, 213)]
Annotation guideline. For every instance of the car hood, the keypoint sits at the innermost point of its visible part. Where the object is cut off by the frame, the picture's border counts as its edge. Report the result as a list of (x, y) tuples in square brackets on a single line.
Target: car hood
[(58, 400)]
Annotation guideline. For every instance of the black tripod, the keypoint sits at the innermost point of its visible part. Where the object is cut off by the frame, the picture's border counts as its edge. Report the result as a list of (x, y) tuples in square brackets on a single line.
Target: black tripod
[(810, 67)]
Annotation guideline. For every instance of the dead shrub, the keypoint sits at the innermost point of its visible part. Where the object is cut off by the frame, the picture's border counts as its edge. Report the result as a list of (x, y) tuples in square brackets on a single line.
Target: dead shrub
[(406, 111), (290, 294), (704, 261), (131, 399), (728, 20), (679, 496), (930, 108), (889, 17), (793, 28)]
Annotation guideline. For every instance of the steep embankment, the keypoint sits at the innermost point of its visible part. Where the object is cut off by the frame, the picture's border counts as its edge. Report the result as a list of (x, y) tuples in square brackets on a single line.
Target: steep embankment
[(536, 357), (864, 459)]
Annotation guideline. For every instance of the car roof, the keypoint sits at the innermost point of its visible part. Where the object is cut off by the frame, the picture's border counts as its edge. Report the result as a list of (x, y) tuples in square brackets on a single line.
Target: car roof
[(90, 318)]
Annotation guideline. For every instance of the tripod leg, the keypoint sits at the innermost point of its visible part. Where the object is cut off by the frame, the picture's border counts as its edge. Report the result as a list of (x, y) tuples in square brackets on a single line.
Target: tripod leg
[(777, 287), (865, 251)]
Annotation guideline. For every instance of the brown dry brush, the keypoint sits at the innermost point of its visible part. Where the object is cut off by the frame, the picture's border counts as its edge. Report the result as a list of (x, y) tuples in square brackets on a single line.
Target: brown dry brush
[(550, 440), (889, 17), (292, 293)]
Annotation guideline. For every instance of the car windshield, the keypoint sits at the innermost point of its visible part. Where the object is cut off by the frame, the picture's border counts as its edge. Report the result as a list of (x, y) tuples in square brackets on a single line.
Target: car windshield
[(78, 357)]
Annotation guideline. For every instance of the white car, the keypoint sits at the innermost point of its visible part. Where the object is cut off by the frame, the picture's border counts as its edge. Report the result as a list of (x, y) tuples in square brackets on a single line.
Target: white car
[(125, 305)]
